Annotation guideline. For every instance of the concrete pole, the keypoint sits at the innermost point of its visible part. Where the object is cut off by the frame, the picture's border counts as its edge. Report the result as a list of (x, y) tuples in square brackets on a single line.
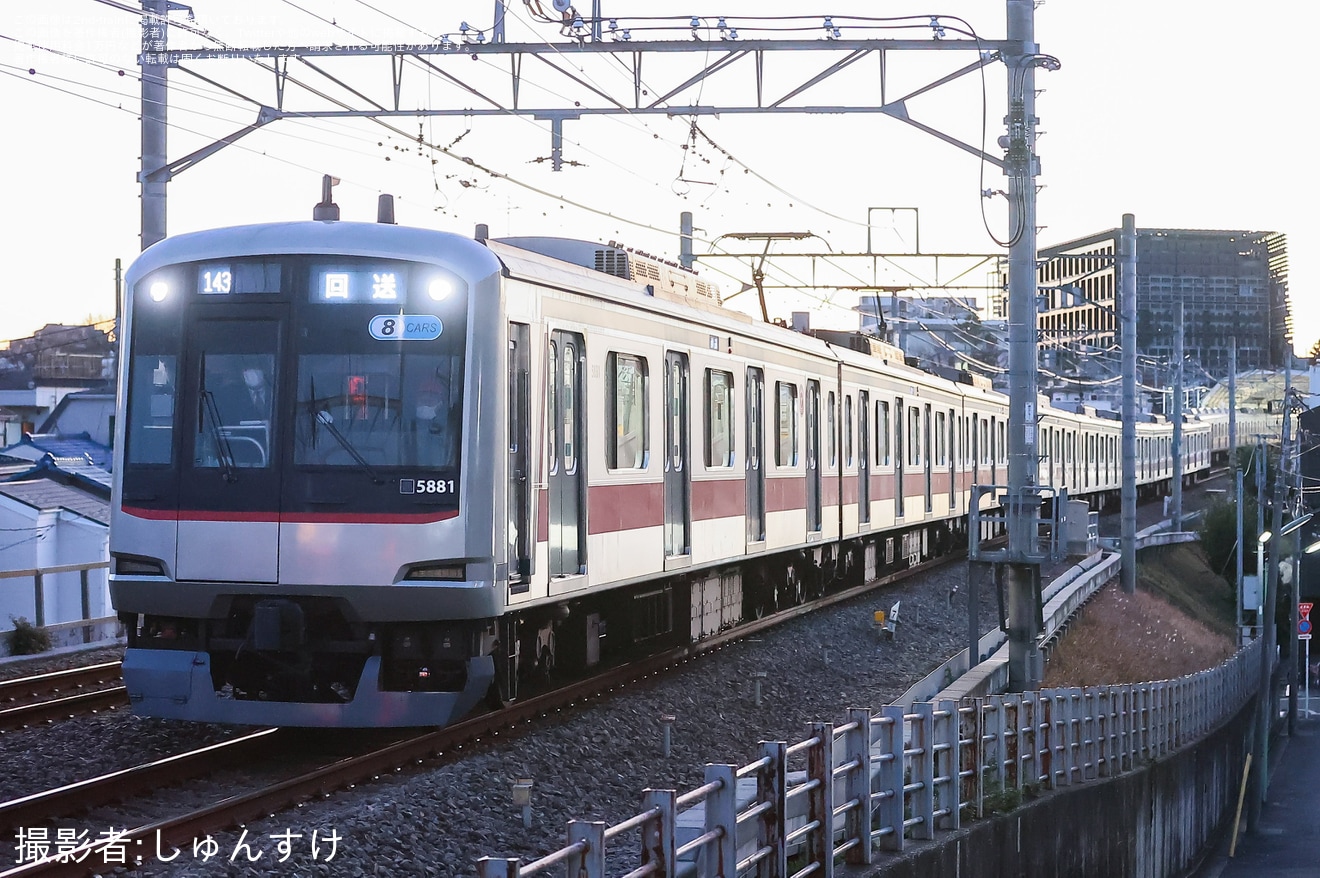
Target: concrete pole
[(1021, 575), (1236, 463), (155, 97), (1260, 740), (1241, 548), (1127, 250), (1295, 470), (1266, 707), (1176, 482), (685, 239)]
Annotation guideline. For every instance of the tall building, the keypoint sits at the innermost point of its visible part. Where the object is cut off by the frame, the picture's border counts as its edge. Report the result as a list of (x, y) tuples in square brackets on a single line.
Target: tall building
[(1230, 284)]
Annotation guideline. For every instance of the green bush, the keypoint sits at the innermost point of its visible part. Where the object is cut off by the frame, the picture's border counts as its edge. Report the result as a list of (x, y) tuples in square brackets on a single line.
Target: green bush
[(26, 638)]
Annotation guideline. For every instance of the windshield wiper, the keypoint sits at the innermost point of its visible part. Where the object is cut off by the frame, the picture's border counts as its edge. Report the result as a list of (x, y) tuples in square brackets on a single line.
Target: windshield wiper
[(328, 421), (208, 410)]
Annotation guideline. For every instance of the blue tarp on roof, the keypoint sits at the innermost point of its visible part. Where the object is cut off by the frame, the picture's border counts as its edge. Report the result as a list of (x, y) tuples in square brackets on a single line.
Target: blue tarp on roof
[(72, 472), (77, 447)]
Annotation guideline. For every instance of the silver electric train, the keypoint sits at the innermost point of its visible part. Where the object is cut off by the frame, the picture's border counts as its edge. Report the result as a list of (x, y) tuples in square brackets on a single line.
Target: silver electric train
[(368, 475)]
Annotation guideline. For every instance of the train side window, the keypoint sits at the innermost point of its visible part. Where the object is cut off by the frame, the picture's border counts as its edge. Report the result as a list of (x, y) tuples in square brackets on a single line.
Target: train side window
[(719, 418), (569, 404), (628, 446), (881, 432), (786, 453), (847, 430), (831, 430), (914, 436)]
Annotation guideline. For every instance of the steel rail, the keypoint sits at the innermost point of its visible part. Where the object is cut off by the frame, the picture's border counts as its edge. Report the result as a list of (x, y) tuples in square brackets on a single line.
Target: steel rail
[(63, 708), (353, 770), (40, 685), (83, 795)]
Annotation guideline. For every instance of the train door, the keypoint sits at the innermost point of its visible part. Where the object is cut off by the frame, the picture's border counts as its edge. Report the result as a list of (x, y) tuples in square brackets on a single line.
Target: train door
[(755, 463), (229, 480), (813, 456), (567, 476), (863, 457), (678, 486), (518, 514), (900, 449)]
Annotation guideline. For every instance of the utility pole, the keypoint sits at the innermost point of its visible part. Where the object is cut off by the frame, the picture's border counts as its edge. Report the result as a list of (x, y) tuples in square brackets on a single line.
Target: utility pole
[(1294, 645), (1237, 477), (1176, 502), (685, 230), (1127, 251), (1022, 575), (1266, 708), (155, 100)]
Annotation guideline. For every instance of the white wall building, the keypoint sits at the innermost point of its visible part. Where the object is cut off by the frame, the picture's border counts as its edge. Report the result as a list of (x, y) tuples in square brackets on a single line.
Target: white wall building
[(45, 524)]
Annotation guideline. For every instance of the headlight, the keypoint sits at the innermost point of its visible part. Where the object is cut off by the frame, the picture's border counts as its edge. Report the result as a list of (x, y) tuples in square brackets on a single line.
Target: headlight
[(440, 289)]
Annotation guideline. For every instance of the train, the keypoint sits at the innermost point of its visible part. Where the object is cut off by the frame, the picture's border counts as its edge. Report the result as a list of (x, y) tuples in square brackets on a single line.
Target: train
[(369, 475)]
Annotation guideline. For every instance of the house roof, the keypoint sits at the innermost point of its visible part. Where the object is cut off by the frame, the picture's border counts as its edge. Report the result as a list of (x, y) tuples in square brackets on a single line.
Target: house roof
[(79, 399), (69, 471), (78, 447), (45, 494)]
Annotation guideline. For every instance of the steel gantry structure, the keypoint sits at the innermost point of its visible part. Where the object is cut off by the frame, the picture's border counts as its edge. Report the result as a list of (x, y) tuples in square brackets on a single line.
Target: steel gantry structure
[(721, 53)]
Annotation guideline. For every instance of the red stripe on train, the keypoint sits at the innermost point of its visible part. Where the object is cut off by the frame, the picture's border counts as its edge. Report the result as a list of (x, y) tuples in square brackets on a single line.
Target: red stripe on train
[(290, 518)]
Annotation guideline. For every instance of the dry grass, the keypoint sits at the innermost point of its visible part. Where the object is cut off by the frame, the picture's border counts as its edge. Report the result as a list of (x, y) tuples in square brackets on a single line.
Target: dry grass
[(1181, 620)]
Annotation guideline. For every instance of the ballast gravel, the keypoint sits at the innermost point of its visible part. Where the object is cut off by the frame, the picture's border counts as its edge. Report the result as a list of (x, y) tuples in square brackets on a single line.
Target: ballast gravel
[(593, 762), (588, 763)]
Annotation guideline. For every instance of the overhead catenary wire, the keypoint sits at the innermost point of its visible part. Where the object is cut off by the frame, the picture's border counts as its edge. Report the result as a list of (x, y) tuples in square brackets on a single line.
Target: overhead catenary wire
[(792, 22)]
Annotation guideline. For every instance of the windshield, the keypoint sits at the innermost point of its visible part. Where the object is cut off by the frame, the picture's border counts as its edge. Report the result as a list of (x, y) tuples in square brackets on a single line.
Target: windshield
[(297, 384), (392, 409)]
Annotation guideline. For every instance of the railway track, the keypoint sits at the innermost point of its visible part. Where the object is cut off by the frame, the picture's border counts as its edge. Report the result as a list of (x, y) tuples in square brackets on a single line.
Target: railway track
[(180, 830), (45, 697), (228, 812)]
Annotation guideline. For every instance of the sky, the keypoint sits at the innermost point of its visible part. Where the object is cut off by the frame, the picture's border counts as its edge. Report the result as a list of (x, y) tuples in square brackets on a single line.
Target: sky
[(1185, 114)]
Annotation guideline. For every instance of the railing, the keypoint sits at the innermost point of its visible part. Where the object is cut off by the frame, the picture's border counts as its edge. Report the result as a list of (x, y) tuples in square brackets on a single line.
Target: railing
[(39, 575), (881, 779)]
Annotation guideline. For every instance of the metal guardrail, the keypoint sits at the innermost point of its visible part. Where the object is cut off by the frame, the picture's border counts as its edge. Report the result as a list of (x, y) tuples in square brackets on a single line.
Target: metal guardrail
[(904, 772), (883, 778)]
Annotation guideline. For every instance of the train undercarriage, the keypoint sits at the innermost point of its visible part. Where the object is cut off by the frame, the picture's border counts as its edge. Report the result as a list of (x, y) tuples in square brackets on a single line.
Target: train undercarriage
[(314, 651)]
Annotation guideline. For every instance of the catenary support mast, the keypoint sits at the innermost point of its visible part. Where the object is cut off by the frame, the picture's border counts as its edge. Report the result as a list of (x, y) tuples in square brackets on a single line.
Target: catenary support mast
[(155, 98), (1021, 573)]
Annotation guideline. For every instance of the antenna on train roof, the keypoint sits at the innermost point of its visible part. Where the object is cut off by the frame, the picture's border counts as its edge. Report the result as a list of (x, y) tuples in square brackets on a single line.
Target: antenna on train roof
[(327, 210), (385, 209)]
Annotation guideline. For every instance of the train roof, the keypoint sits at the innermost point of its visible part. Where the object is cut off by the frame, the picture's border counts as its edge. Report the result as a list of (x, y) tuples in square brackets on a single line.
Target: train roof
[(317, 238)]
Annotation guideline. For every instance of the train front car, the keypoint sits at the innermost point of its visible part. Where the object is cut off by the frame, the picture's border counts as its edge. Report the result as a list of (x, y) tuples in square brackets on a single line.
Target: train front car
[(300, 533)]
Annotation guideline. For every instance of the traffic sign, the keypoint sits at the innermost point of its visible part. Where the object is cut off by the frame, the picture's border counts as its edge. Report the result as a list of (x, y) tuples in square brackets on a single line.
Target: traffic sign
[(1304, 619)]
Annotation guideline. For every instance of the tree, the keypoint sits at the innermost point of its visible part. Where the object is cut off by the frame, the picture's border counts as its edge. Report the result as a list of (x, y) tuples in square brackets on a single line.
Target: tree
[(1314, 353)]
